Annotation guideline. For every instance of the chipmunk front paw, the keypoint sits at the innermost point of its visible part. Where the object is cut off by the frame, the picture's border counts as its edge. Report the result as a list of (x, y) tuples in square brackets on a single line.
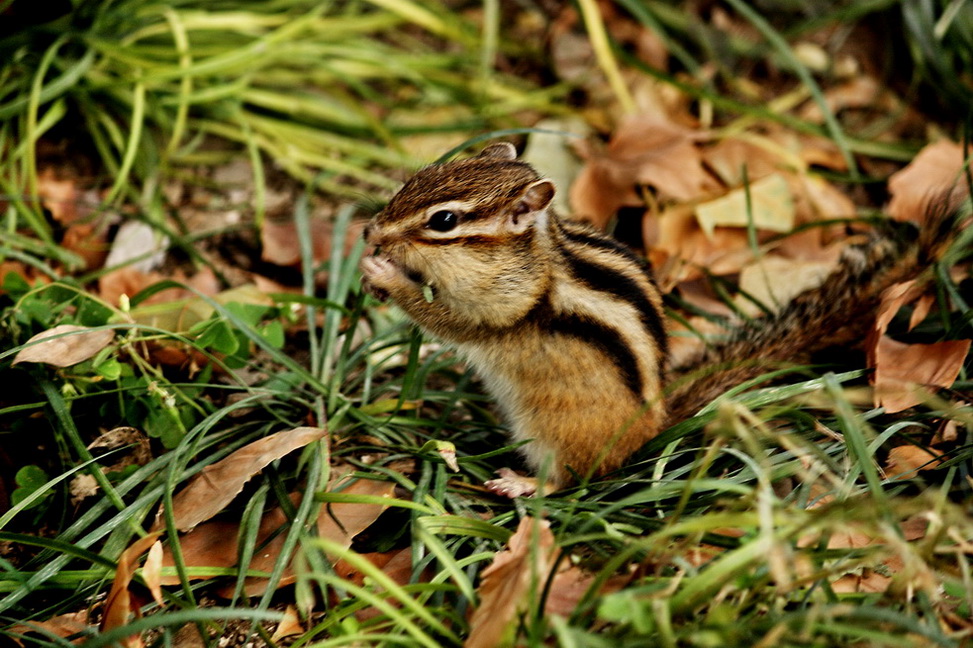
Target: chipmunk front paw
[(510, 484), (378, 275)]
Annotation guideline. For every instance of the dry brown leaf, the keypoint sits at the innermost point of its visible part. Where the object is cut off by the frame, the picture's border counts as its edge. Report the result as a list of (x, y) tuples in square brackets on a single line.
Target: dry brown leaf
[(62, 626), (679, 236), (83, 486), (89, 241), (216, 486), (935, 171), (397, 565), (862, 91), (902, 370), (289, 626), (118, 606), (342, 521), (824, 199), (59, 196), (214, 543), (774, 281), (645, 150), (771, 207), (505, 584), (868, 581), (905, 461), (131, 281), (923, 305), (730, 156), (893, 298), (75, 344), (152, 572), (569, 586)]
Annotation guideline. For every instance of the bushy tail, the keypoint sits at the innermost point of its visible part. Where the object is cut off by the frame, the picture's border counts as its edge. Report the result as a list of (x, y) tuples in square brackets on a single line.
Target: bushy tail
[(838, 313)]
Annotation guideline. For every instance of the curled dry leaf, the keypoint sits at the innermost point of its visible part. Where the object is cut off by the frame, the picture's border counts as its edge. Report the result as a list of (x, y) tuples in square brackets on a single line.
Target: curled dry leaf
[(152, 572), (507, 582), (903, 370), (905, 461), (219, 483), (936, 170), (65, 345), (289, 626), (118, 606)]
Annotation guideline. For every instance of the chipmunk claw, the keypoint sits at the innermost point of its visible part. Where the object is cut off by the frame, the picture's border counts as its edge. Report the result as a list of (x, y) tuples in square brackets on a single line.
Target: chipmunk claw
[(510, 484)]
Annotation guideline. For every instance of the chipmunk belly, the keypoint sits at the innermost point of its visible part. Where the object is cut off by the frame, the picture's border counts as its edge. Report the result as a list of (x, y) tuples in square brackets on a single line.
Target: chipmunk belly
[(586, 393)]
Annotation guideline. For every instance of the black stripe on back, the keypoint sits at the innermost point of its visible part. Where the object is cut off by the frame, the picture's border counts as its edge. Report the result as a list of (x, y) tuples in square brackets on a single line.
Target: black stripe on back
[(606, 339), (605, 243), (602, 279)]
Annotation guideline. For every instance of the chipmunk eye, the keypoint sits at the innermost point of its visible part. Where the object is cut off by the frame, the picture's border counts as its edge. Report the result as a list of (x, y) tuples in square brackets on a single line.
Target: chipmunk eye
[(443, 220)]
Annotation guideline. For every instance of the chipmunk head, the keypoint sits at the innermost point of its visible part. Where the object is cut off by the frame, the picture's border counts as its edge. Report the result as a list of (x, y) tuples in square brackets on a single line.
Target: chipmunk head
[(459, 242)]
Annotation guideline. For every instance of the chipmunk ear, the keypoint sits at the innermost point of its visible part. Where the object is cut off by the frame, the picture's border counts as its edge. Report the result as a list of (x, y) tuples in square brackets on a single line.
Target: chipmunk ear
[(500, 150), (534, 199)]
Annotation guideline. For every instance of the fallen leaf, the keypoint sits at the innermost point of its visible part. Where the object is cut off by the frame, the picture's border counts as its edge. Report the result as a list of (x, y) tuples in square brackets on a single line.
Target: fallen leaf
[(82, 486), (188, 308), (862, 91), (214, 543), (570, 585), (65, 345), (645, 150), (771, 207), (549, 152), (216, 486), (679, 236), (774, 281), (935, 171), (893, 298), (62, 626), (397, 565), (903, 370), (59, 196), (118, 608), (139, 246), (923, 305), (905, 461), (289, 626), (87, 240), (731, 155), (152, 572), (342, 521), (506, 583)]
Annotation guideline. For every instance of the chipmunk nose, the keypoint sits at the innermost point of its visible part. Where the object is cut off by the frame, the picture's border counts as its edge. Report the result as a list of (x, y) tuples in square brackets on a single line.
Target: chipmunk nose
[(373, 237)]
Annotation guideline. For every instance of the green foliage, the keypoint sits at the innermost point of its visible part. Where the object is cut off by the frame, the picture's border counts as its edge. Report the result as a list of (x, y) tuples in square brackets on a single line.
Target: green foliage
[(152, 84), (30, 479)]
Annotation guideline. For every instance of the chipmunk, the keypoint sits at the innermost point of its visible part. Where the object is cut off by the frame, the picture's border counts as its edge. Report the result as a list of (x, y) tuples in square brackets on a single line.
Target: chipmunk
[(566, 326)]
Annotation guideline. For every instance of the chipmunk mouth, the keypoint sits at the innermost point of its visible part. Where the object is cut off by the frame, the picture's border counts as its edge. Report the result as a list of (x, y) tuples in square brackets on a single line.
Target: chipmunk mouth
[(379, 270)]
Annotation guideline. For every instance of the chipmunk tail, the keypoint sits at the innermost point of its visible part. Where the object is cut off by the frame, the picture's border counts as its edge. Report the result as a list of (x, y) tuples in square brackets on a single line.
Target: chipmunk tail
[(836, 314)]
